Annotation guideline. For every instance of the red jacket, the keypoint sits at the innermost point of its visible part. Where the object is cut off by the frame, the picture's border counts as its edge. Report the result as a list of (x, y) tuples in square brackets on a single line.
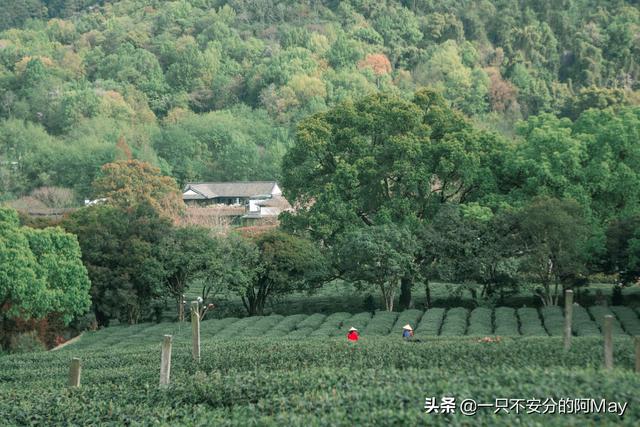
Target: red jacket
[(352, 336)]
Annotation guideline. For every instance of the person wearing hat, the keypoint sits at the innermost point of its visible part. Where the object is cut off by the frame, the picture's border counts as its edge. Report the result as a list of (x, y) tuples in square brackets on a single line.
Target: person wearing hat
[(407, 332), (353, 335)]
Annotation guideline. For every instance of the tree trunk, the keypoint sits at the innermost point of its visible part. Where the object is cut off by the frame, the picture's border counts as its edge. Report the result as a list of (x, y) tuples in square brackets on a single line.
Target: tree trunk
[(180, 309), (427, 293), (405, 293)]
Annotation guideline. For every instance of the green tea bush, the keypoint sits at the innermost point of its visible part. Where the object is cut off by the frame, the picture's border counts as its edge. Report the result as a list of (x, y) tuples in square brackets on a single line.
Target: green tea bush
[(506, 322), (480, 322), (430, 323), (259, 328), (266, 381), (628, 318), (598, 312), (411, 317), (313, 321), (332, 323), (530, 323), (553, 320), (582, 324), (238, 327), (381, 323), (285, 326), (358, 321), (455, 322), (26, 342)]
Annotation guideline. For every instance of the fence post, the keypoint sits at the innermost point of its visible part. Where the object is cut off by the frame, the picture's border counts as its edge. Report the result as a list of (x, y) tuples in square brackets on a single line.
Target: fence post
[(74, 372), (637, 340), (165, 361), (568, 318), (195, 330), (608, 341)]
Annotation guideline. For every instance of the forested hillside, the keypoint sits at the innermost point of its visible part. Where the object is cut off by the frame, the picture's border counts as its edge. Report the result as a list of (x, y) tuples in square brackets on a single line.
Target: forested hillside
[(211, 89)]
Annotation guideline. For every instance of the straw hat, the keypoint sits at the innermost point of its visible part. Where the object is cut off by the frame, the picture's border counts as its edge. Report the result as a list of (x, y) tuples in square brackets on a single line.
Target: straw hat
[(407, 326), (353, 329)]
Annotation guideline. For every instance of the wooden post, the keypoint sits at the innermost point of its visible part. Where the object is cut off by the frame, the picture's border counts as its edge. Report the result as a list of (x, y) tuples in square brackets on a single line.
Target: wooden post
[(637, 340), (165, 361), (195, 330), (74, 372), (568, 318), (608, 341)]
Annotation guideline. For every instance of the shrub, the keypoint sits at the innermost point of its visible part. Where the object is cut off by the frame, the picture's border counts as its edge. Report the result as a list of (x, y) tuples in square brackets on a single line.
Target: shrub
[(553, 320), (26, 342), (238, 327), (430, 323), (358, 321), (455, 322), (530, 323), (411, 317), (582, 324), (627, 318), (259, 328), (313, 321), (506, 321), (480, 322), (381, 323), (598, 312), (287, 325), (332, 323)]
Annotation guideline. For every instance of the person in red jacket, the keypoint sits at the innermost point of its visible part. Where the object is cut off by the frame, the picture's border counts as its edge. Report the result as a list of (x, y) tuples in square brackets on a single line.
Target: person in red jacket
[(353, 334)]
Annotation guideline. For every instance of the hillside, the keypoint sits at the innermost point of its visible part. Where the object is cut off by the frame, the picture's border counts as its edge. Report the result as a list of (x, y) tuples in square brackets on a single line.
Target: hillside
[(212, 89)]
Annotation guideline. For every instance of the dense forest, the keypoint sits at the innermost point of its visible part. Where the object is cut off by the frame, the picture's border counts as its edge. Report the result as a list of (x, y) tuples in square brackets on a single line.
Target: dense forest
[(211, 89)]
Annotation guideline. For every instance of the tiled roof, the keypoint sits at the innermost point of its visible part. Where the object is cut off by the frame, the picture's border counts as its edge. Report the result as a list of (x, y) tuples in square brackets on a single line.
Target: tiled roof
[(210, 190)]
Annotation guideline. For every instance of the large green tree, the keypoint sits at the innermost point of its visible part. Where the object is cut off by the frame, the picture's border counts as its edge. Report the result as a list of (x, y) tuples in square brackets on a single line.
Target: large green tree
[(185, 254), (40, 273), (120, 252), (274, 264), (553, 235), (384, 159), (380, 255)]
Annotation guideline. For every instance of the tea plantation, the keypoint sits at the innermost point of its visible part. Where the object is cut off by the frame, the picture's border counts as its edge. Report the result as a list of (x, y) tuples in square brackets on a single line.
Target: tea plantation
[(300, 370)]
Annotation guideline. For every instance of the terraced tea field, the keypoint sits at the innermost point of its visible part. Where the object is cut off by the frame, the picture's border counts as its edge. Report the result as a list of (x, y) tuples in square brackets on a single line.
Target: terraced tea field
[(480, 322), (299, 370)]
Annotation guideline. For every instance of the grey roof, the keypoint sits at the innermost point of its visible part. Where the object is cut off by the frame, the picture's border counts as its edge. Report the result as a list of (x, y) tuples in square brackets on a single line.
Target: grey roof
[(211, 190), (275, 202)]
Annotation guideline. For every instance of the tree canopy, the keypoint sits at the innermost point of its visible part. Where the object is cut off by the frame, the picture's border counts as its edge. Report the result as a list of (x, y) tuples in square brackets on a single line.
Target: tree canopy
[(41, 272)]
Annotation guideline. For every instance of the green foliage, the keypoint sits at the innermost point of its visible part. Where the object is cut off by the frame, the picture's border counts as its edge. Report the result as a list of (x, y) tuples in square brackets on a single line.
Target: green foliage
[(121, 362), (276, 263), (120, 252), (506, 323), (628, 319), (40, 272), (581, 322), (530, 322), (553, 320), (187, 253), (66, 63), (59, 264), (380, 324), (480, 322), (598, 312), (26, 342), (455, 322), (430, 323), (379, 255), (555, 234)]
